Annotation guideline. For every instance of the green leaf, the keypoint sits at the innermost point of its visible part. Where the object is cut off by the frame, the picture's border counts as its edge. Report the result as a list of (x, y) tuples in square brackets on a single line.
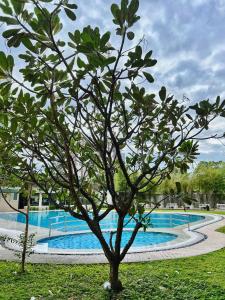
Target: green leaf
[(57, 27), (44, 99), (71, 36), (133, 20), (141, 209), (119, 17), (133, 7), (85, 48), (14, 125), (18, 6), (162, 93), (148, 55), (178, 186), (6, 9), (61, 43), (138, 51), (189, 117), (148, 77), (132, 211), (27, 43), (115, 9), (11, 32), (130, 35), (71, 6), (151, 63), (104, 39), (80, 63), (70, 14), (71, 64), (6, 89), (72, 45), (2, 74), (217, 100), (77, 36), (8, 20), (3, 61), (124, 4), (14, 41), (110, 60), (10, 61)]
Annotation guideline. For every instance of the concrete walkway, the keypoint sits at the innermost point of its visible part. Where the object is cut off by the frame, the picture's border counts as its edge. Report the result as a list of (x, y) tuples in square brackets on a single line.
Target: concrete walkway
[(213, 242)]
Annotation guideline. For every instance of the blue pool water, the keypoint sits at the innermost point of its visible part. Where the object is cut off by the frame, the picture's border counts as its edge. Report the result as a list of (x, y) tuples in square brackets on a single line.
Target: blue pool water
[(60, 220), (89, 241)]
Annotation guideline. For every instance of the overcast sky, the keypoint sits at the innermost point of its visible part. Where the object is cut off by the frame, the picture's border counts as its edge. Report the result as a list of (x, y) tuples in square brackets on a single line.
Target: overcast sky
[(188, 40)]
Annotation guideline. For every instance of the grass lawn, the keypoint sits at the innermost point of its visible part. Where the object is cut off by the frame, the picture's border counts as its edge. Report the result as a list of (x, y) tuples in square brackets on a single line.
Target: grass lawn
[(221, 229), (199, 277), (217, 212)]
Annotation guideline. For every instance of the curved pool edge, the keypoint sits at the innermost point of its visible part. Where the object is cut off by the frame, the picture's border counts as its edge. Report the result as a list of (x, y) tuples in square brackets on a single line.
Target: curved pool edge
[(43, 248), (194, 237)]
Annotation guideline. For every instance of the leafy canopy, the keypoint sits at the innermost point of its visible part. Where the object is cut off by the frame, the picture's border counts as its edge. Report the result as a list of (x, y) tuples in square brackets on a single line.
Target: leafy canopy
[(82, 111)]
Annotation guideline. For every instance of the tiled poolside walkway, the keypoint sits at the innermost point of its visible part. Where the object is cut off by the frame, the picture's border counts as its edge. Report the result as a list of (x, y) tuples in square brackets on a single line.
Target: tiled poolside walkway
[(214, 241)]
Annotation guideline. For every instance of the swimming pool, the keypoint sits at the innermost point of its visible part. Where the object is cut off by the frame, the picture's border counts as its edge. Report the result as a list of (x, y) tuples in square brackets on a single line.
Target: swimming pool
[(62, 221), (89, 241), (74, 235)]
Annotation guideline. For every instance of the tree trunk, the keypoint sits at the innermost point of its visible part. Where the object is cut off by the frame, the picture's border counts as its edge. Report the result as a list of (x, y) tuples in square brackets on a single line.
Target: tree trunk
[(26, 233), (116, 284), (23, 258)]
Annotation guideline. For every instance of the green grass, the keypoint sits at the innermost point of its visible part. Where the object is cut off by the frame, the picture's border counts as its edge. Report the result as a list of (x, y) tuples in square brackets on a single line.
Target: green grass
[(217, 212), (192, 278), (221, 229)]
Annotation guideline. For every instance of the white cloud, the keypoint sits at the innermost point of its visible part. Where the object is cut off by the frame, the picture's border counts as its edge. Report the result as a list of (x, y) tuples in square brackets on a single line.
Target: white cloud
[(187, 38)]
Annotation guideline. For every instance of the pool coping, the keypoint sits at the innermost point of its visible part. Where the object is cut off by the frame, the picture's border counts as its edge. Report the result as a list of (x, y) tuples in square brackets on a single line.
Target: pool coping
[(214, 241), (195, 237)]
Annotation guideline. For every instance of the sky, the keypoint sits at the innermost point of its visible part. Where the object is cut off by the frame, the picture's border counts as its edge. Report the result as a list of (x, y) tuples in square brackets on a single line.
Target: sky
[(188, 40)]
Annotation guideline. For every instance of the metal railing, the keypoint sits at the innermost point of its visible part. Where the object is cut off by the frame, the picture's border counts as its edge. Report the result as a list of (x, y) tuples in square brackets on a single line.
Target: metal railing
[(66, 223), (172, 220)]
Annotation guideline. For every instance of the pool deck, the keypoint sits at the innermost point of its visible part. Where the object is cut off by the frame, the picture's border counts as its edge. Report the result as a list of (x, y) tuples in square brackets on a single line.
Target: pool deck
[(213, 242)]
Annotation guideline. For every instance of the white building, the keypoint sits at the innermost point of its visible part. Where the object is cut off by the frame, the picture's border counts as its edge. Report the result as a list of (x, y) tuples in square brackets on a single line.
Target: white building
[(18, 201), (12, 196)]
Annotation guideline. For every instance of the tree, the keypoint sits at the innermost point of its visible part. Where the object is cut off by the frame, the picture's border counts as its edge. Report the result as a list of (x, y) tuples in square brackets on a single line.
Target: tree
[(185, 182), (209, 178), (25, 241), (82, 111)]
